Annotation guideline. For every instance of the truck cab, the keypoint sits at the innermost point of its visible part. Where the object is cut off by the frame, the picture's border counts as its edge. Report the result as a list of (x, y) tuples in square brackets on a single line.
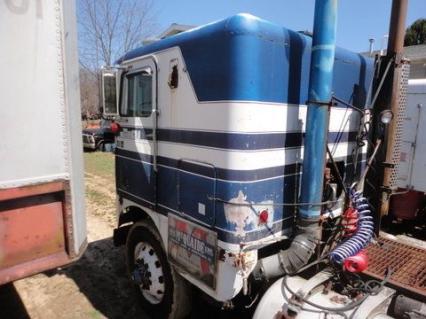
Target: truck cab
[(209, 152)]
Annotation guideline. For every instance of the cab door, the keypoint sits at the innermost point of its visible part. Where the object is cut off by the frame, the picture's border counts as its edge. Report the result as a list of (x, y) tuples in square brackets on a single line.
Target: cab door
[(138, 118)]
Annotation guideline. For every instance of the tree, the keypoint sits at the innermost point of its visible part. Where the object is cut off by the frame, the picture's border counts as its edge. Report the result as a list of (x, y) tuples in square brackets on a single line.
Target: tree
[(89, 93), (109, 28), (106, 30), (416, 33)]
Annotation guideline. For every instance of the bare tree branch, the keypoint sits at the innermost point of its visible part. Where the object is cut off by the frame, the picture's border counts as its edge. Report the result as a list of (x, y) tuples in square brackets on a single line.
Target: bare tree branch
[(108, 29)]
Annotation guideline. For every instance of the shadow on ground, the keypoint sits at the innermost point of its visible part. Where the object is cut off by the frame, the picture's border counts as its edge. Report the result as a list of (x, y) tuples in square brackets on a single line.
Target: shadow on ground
[(11, 305), (101, 277)]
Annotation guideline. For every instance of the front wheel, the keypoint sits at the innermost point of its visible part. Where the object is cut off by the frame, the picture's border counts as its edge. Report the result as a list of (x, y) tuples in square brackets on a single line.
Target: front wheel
[(163, 293)]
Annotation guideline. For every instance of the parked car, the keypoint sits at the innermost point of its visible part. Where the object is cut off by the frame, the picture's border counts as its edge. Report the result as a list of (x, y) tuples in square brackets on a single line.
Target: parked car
[(101, 138)]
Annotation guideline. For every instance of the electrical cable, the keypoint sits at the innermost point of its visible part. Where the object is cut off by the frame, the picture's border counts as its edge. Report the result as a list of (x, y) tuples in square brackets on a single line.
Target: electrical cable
[(343, 308), (336, 169), (317, 311), (336, 309), (333, 236), (274, 204), (351, 306), (363, 234)]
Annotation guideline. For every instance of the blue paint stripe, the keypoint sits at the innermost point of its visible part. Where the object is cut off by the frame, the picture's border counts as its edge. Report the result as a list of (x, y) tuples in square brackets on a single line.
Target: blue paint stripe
[(219, 173), (237, 141), (284, 226), (139, 200), (182, 191)]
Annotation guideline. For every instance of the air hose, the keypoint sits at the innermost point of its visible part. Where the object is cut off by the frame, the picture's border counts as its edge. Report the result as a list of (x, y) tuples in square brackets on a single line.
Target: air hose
[(340, 310), (362, 236)]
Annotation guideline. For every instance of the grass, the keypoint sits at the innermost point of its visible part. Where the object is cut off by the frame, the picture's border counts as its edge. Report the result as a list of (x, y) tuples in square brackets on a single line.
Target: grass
[(100, 186), (95, 314), (95, 196), (100, 164)]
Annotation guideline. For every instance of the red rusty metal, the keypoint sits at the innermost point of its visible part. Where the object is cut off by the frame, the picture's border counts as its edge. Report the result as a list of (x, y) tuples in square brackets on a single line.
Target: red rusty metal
[(68, 221), (32, 190), (33, 267), (407, 263), (407, 204), (32, 230), (30, 233)]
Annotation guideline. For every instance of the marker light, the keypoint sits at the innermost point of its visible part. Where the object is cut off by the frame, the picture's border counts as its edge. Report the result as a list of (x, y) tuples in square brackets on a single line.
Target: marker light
[(115, 127), (386, 116), (263, 216)]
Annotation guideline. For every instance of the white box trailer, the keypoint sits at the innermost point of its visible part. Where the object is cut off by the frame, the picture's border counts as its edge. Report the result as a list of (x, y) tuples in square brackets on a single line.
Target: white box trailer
[(410, 200), (42, 216), (412, 171)]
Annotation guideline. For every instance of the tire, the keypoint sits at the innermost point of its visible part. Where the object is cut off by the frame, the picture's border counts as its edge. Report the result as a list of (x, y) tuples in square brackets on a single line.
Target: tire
[(151, 272)]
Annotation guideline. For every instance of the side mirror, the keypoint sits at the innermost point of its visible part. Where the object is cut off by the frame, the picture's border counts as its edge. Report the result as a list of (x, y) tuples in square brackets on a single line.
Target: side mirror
[(110, 92)]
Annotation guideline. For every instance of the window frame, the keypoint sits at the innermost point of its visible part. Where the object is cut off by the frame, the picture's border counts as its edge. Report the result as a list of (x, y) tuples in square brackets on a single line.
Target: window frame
[(123, 110)]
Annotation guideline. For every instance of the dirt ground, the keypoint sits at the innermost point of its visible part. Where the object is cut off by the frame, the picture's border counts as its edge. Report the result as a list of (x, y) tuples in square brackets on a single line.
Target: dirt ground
[(96, 286)]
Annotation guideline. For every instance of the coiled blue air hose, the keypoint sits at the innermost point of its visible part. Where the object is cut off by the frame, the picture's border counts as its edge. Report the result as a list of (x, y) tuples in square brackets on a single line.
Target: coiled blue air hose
[(364, 233)]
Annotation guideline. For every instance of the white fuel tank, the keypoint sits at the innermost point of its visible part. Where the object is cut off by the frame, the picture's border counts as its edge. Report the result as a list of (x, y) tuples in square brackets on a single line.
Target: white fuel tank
[(275, 302)]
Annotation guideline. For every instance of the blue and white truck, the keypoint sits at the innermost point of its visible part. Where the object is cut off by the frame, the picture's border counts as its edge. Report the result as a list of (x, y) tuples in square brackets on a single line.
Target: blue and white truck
[(208, 164)]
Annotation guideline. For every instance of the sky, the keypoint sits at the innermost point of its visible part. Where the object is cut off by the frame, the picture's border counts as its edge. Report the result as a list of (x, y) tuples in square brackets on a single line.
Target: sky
[(357, 20)]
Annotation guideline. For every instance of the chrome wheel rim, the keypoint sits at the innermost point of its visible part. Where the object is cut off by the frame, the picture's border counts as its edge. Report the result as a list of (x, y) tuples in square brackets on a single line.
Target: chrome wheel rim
[(148, 273)]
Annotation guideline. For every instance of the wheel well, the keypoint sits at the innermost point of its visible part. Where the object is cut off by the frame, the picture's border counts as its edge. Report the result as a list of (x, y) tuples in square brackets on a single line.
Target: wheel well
[(127, 218), (132, 214)]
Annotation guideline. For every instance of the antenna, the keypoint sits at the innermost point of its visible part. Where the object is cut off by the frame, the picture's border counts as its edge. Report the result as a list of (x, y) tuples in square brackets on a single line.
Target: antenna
[(371, 40)]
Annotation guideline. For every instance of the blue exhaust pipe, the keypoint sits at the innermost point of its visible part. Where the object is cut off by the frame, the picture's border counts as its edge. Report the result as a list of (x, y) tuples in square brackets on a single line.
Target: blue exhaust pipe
[(320, 83), (308, 233)]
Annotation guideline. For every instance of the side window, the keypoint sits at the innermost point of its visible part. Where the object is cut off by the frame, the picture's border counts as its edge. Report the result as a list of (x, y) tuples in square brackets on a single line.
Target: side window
[(138, 102)]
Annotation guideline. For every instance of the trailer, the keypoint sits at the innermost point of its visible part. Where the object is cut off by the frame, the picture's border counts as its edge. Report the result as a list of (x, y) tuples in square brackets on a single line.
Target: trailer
[(42, 215), (410, 202)]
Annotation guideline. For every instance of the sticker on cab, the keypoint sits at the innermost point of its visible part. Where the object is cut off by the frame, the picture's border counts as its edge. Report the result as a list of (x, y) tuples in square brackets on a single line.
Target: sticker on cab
[(193, 248)]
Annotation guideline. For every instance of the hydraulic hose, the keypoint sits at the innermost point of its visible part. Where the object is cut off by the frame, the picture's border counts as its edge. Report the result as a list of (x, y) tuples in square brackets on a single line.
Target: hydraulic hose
[(362, 236)]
